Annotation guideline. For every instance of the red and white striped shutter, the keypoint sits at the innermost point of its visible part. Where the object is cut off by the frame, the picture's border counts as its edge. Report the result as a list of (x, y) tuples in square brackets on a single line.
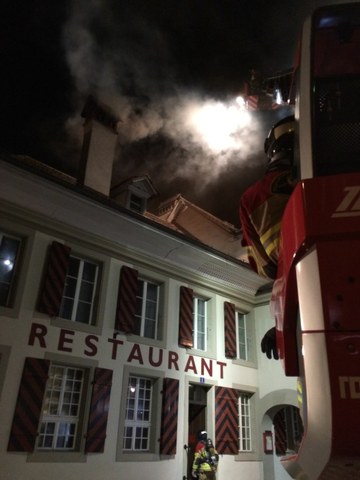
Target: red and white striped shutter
[(169, 416), (99, 408), (230, 330), (126, 306), (226, 420), (252, 102), (54, 282), (186, 317), (280, 433), (26, 419)]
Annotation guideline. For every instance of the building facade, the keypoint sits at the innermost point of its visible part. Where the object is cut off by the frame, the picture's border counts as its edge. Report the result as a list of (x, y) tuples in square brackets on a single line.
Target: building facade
[(124, 333)]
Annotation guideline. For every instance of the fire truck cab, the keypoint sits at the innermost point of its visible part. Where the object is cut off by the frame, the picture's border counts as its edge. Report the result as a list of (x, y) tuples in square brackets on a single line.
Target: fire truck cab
[(316, 296)]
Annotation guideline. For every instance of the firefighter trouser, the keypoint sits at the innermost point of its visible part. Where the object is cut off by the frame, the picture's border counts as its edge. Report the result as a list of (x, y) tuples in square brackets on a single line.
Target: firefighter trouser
[(207, 475)]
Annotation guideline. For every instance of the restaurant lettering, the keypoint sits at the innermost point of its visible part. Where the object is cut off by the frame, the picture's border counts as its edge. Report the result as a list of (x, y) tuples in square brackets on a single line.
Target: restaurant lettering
[(134, 352)]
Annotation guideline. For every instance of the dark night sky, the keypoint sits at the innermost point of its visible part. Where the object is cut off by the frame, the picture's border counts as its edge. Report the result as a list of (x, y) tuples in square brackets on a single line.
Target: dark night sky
[(155, 62)]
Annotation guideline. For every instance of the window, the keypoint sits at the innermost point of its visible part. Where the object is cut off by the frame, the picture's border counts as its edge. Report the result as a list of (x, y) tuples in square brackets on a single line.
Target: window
[(242, 344), (200, 324), (138, 414), (245, 444), (61, 408), (136, 203), (79, 293), (148, 416), (55, 420), (9, 254), (147, 309), (289, 430)]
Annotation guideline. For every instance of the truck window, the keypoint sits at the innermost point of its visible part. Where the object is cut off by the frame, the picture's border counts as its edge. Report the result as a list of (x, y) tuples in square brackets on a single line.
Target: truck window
[(336, 89)]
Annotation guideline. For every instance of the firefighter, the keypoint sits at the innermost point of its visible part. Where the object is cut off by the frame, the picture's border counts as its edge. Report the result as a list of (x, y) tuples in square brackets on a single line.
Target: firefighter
[(212, 455), (204, 466), (262, 207)]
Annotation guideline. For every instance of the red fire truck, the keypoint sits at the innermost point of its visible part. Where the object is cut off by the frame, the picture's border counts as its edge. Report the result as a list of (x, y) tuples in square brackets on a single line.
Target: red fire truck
[(316, 296)]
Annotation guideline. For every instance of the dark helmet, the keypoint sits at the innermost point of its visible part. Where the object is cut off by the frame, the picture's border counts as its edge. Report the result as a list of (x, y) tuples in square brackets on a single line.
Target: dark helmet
[(202, 435), (280, 138)]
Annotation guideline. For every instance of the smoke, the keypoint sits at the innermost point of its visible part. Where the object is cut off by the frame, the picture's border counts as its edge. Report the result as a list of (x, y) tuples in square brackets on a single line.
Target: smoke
[(170, 69), (125, 61), (179, 121)]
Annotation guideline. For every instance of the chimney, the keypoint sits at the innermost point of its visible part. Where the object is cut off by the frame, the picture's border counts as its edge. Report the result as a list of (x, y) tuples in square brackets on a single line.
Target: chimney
[(98, 150)]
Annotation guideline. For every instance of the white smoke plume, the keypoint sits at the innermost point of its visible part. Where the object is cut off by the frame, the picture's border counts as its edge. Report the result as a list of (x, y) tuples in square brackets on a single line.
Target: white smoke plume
[(182, 136)]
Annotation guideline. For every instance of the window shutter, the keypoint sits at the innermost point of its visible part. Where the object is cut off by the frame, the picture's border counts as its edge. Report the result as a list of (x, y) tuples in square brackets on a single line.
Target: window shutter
[(226, 420), (28, 405), (126, 307), (280, 433), (54, 282), (229, 330), (186, 317), (169, 416), (99, 408)]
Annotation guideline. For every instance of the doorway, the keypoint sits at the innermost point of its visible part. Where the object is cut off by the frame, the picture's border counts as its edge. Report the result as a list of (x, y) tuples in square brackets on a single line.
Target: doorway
[(197, 419)]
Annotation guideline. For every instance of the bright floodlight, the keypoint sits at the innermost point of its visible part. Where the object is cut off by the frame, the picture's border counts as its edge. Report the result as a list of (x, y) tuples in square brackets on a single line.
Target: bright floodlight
[(219, 124), (241, 102)]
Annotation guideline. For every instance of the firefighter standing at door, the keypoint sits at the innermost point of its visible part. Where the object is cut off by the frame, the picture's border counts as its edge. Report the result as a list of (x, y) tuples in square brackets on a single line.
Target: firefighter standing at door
[(205, 458)]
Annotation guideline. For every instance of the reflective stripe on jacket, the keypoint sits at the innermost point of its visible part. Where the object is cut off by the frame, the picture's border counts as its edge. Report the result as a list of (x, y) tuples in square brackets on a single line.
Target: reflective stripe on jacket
[(261, 210), (201, 459)]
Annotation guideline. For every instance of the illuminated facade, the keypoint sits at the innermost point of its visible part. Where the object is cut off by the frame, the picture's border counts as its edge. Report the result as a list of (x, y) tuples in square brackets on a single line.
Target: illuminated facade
[(121, 338)]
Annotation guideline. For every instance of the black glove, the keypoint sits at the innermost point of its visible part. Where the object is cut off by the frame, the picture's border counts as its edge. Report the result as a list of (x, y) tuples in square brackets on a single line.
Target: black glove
[(268, 344)]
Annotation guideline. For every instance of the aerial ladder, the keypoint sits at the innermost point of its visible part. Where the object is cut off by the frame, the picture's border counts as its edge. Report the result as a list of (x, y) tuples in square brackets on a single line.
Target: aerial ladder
[(316, 295)]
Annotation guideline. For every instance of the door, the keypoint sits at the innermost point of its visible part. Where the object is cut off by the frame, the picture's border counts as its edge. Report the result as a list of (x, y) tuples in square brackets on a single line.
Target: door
[(196, 420)]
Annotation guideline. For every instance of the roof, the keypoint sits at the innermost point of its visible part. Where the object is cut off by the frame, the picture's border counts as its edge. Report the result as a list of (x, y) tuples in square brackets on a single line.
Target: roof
[(99, 217), (196, 222), (176, 214)]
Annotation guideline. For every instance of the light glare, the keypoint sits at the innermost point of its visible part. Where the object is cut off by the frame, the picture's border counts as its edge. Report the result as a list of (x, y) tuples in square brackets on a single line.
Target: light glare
[(219, 125)]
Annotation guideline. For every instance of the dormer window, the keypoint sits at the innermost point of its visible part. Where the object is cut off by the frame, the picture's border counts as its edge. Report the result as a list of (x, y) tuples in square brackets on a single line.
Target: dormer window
[(134, 193), (136, 203)]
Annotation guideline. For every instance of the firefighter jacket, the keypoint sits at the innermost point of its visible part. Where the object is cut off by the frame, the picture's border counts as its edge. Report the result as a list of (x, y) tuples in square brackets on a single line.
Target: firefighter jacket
[(202, 460), (261, 210), (213, 458)]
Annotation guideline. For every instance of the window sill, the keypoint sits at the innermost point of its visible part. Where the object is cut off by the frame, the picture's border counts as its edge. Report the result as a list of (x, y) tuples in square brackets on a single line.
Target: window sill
[(77, 326), (244, 363), (137, 457), (247, 457), (152, 342), (56, 457)]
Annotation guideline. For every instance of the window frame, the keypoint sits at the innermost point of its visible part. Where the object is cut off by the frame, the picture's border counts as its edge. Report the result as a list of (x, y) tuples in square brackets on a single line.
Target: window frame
[(141, 318), (12, 284), (136, 203), (60, 418), (91, 321), (136, 424), (239, 344), (78, 453), (245, 423), (248, 316), (152, 454), (196, 329)]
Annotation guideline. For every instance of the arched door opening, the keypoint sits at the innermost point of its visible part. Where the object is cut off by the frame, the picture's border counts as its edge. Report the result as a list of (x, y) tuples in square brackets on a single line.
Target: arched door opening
[(285, 423)]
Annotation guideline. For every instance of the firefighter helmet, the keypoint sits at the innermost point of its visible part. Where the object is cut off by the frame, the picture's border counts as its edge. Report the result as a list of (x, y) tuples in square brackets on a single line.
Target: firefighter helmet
[(202, 435), (280, 138)]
